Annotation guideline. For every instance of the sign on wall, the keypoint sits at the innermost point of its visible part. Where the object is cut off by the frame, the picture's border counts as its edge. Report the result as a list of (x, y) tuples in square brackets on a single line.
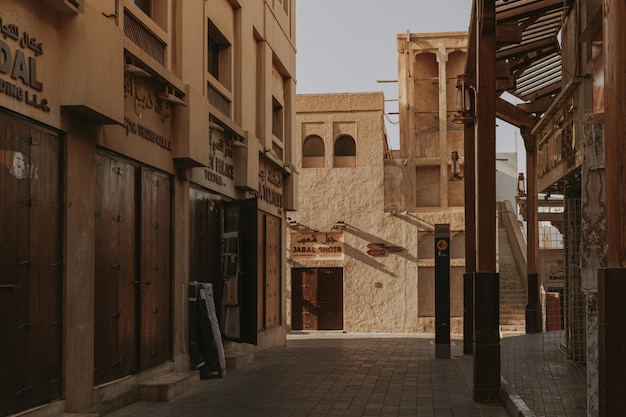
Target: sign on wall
[(317, 245)]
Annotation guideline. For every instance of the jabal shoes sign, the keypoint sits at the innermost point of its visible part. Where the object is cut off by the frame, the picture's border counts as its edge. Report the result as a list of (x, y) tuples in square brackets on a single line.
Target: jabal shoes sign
[(317, 245)]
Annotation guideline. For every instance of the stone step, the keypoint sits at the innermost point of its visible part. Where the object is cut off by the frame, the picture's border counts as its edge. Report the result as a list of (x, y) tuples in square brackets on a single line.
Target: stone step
[(236, 360), (166, 387)]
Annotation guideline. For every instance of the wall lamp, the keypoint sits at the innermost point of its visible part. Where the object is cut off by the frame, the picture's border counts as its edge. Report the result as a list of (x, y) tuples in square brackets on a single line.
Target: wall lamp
[(215, 126), (271, 152), (131, 69), (232, 141), (464, 101), (339, 225), (291, 166), (171, 97), (292, 224), (183, 167), (395, 213), (455, 167)]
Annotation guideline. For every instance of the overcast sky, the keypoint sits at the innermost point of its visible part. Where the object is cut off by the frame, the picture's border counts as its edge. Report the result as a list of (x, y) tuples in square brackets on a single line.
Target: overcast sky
[(347, 45)]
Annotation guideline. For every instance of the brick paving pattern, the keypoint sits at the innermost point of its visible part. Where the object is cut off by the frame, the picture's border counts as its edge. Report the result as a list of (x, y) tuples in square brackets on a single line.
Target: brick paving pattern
[(330, 374), (347, 377), (549, 383)]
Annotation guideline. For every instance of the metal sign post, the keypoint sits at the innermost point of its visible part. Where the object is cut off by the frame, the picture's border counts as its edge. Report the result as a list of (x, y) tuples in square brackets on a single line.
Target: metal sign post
[(442, 291)]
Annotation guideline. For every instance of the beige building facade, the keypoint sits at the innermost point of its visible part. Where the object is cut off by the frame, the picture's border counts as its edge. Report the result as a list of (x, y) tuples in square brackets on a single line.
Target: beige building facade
[(352, 265), (378, 209), (362, 243), (425, 177), (144, 145)]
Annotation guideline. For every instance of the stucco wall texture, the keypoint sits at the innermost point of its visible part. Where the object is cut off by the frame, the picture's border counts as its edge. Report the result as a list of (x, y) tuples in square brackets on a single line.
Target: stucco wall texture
[(381, 293)]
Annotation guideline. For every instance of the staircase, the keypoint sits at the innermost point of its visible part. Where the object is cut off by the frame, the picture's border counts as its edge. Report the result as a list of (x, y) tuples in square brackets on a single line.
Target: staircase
[(512, 290)]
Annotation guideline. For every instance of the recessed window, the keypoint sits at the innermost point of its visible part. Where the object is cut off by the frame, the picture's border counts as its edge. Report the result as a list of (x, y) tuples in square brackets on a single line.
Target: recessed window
[(218, 64), (345, 152), (145, 6), (277, 118), (313, 152), (155, 10)]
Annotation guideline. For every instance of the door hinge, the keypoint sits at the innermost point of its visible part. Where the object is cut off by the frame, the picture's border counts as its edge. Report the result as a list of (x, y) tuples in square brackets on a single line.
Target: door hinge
[(29, 202), (30, 140), (26, 327), (27, 264), (9, 287)]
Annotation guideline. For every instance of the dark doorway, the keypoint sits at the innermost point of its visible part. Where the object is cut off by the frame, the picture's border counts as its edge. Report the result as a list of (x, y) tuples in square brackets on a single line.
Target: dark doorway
[(317, 299)]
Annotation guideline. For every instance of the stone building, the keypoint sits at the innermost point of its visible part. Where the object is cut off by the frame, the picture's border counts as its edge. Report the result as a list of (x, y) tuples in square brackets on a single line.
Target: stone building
[(362, 242), (430, 160), (352, 264), (143, 145)]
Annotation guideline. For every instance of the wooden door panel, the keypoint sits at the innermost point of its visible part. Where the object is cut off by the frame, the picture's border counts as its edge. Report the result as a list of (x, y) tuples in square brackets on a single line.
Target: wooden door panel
[(154, 281), (272, 271), (330, 299), (45, 264), (296, 299), (14, 297), (30, 277), (114, 304), (310, 308)]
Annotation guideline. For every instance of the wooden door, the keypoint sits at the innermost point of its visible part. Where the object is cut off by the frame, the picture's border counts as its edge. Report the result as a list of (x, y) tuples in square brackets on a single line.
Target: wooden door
[(317, 299), (116, 257), (133, 268), (272, 271), (30, 264), (154, 280), (330, 299)]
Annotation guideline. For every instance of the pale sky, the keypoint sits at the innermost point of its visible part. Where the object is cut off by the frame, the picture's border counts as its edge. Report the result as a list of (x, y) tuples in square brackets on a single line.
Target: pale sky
[(347, 45)]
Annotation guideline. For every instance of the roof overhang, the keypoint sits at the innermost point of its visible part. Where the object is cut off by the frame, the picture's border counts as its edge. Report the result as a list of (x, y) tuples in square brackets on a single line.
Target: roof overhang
[(528, 56)]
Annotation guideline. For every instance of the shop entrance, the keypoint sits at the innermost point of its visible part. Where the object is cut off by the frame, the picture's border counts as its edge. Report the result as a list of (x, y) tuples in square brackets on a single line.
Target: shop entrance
[(31, 261), (133, 254), (317, 298)]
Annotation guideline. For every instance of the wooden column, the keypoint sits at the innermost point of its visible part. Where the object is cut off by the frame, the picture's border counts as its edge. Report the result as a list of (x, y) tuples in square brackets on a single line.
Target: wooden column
[(469, 176), (533, 308), (486, 280), (615, 130), (611, 287)]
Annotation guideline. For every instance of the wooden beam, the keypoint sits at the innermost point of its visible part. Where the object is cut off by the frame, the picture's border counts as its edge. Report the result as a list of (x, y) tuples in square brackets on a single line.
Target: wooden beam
[(615, 132), (551, 42), (537, 106), (513, 114), (508, 33), (528, 9)]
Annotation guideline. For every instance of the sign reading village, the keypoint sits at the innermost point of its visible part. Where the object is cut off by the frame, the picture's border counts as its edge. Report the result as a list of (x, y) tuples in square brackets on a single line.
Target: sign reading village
[(317, 245)]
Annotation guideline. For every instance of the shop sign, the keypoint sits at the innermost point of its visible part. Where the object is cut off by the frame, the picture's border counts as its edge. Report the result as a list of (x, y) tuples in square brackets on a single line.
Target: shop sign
[(21, 69), (270, 186), (317, 245), (221, 169), (146, 116)]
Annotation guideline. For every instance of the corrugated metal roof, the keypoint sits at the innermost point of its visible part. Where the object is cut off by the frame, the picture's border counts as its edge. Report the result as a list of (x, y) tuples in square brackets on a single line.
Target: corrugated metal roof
[(534, 58)]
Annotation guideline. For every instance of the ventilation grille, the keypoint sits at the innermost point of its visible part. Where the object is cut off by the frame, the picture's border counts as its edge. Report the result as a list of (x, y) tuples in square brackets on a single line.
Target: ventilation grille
[(218, 100), (142, 37)]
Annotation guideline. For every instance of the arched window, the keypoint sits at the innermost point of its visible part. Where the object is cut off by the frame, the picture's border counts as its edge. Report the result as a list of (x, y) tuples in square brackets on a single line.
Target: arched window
[(345, 152), (313, 152)]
